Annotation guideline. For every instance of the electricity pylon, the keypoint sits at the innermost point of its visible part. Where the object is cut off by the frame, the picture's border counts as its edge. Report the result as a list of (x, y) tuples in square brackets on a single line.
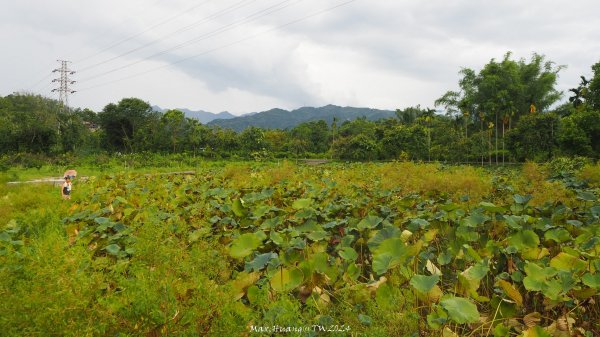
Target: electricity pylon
[(64, 88)]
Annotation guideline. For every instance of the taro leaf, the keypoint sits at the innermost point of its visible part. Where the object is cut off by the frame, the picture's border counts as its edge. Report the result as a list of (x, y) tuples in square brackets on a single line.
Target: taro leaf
[(271, 223), (260, 261), (197, 234), (260, 211), (444, 258), (586, 196), (591, 280), (277, 238), (245, 244), (522, 200), (523, 240), (417, 223), (437, 318), (474, 220), (575, 223), (353, 271), (558, 235), (513, 221), (364, 319), (536, 331), (113, 249), (461, 310), (119, 227), (242, 282), (102, 220), (488, 206), (391, 253), (286, 279), (320, 262), (318, 235), (591, 243), (5, 237), (424, 283), (537, 277), (595, 210), (253, 294), (381, 235), (301, 203), (238, 208), (348, 253), (511, 291), (369, 222), (567, 262)]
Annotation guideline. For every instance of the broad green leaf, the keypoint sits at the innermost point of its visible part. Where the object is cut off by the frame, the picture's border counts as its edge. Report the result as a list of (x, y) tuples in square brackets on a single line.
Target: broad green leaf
[(524, 239), (488, 206), (381, 235), (423, 283), (348, 253), (301, 203), (260, 261), (242, 282), (286, 279), (461, 310), (318, 235), (277, 238), (197, 234), (537, 277), (238, 208), (567, 262), (113, 249), (558, 235), (474, 220), (245, 244), (364, 319), (369, 222), (591, 280), (102, 220), (437, 318), (586, 196), (521, 200), (389, 254)]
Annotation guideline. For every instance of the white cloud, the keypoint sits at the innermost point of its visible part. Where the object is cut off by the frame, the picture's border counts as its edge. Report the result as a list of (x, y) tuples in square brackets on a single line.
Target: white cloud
[(377, 53)]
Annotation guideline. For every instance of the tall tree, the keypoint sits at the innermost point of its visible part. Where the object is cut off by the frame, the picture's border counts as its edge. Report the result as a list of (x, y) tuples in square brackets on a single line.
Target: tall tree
[(121, 121)]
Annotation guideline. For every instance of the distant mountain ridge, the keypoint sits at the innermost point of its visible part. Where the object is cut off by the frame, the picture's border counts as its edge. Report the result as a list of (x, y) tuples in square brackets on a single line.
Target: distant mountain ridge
[(203, 116), (284, 119)]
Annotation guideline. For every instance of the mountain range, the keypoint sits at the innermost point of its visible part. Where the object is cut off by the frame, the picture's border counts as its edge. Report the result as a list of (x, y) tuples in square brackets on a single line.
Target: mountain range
[(203, 116), (284, 119)]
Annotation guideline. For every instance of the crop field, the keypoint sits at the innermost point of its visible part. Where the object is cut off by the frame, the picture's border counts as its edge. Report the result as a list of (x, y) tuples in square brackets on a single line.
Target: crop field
[(283, 249)]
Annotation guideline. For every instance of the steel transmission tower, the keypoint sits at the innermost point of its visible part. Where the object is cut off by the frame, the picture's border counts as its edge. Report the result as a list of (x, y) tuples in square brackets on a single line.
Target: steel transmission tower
[(64, 88)]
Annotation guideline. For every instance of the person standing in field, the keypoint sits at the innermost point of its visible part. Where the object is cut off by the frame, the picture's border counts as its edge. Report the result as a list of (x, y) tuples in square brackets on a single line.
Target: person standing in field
[(66, 188)]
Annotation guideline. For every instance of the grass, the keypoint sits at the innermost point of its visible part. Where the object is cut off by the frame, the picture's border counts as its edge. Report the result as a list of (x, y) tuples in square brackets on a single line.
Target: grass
[(53, 285)]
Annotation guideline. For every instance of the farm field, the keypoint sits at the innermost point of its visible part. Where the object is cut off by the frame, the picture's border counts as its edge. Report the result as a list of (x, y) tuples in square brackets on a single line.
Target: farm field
[(270, 249)]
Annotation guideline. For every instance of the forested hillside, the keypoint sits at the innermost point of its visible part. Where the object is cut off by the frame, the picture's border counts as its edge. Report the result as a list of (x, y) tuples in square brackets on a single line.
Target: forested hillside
[(508, 111)]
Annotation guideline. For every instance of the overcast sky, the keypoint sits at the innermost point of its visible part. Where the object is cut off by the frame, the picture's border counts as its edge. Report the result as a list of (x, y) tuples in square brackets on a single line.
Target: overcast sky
[(252, 55)]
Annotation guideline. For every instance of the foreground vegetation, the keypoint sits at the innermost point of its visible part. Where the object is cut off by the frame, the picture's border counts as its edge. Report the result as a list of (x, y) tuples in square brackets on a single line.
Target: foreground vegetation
[(396, 249)]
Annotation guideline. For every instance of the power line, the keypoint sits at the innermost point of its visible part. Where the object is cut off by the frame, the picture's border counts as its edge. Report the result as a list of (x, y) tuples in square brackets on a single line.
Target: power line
[(250, 18), (45, 77), (123, 40), (144, 31), (224, 46), (227, 10)]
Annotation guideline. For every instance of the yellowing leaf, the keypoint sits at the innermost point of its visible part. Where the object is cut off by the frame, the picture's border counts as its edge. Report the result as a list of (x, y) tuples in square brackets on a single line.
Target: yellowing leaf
[(512, 292)]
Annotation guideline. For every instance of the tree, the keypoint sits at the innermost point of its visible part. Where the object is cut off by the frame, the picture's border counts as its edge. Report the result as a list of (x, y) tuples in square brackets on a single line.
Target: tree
[(504, 90), (121, 121), (534, 137)]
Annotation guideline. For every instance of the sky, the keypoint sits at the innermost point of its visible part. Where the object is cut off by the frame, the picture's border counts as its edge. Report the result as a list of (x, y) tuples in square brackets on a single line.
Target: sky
[(245, 56)]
